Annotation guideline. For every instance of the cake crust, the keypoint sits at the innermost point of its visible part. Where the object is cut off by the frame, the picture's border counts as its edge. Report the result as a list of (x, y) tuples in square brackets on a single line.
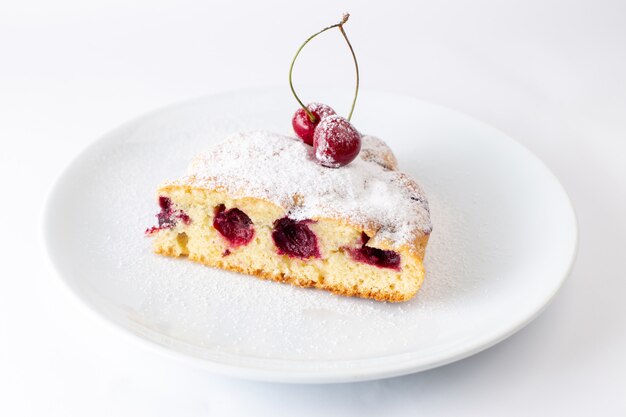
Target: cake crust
[(338, 289)]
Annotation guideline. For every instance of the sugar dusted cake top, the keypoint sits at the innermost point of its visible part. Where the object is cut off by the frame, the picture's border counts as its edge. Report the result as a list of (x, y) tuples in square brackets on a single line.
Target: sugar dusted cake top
[(368, 192)]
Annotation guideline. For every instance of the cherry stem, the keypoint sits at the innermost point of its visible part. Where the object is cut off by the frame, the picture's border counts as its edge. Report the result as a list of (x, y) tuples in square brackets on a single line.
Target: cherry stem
[(356, 68), (344, 19)]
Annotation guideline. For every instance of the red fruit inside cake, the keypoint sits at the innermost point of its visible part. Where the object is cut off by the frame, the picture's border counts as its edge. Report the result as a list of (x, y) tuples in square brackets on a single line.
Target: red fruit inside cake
[(374, 256), (167, 217), (234, 225), (295, 238)]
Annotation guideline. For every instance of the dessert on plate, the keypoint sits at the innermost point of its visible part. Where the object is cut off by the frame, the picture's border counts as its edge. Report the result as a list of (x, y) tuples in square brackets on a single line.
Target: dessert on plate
[(326, 209)]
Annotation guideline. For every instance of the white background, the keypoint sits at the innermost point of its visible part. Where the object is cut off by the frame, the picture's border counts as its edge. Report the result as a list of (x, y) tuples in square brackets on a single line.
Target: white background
[(549, 73)]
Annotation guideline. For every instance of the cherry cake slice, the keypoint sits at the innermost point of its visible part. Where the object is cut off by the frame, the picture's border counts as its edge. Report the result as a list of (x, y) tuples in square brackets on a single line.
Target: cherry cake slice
[(259, 203)]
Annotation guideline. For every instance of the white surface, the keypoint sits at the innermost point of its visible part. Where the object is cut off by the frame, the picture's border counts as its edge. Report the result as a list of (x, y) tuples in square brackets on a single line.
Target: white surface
[(493, 204), (549, 73)]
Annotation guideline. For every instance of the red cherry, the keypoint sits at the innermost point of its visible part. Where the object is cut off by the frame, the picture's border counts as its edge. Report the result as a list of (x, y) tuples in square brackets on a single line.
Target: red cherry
[(377, 257), (323, 110), (302, 124), (295, 239), (234, 225), (336, 142), (168, 218)]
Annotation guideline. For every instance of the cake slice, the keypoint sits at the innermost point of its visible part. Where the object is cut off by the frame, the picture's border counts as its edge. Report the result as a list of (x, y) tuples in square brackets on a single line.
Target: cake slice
[(259, 204)]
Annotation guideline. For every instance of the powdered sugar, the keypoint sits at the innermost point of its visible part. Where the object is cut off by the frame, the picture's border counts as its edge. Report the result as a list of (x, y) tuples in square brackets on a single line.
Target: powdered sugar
[(322, 110), (374, 149), (278, 168)]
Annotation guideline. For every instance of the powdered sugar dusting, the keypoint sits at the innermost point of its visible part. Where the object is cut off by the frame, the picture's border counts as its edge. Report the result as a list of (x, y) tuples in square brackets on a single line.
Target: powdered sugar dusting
[(322, 110), (374, 149), (275, 167), (336, 142)]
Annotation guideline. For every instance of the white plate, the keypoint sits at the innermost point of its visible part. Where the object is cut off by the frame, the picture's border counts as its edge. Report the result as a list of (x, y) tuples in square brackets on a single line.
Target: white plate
[(503, 242)]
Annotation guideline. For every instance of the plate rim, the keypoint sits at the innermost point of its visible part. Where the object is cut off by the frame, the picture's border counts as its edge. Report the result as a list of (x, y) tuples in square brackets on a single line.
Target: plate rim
[(398, 366)]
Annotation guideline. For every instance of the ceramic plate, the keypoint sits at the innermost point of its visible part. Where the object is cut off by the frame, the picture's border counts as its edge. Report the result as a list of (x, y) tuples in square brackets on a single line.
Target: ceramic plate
[(503, 241)]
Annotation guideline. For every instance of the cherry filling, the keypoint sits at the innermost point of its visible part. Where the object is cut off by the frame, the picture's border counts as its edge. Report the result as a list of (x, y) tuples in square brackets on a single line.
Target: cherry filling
[(377, 257), (168, 217), (234, 225), (295, 239)]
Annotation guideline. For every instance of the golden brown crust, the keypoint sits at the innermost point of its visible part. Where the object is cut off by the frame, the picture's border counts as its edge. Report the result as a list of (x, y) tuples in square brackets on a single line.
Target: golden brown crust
[(376, 150), (391, 296)]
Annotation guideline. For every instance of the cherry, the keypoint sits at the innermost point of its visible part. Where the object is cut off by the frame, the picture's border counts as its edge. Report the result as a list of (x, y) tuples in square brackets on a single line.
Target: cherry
[(234, 225), (295, 239), (336, 142), (377, 257), (165, 215), (165, 202), (168, 217), (302, 124)]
